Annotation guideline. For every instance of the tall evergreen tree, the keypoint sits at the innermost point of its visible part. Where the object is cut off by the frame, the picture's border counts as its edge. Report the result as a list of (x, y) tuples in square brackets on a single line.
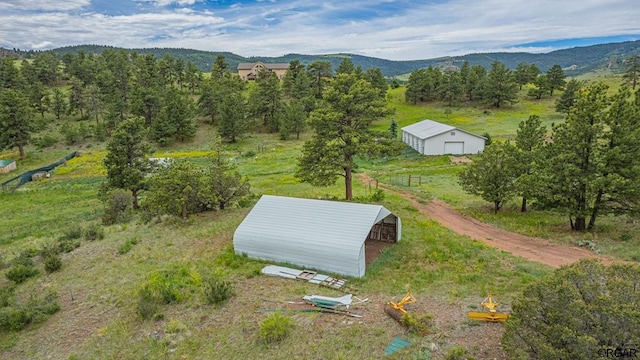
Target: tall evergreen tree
[(556, 79), (541, 87), (530, 139), (568, 97), (16, 120), (233, 122), (126, 160), (341, 125), (225, 184), (492, 175), (523, 74), (147, 88), (293, 120), (575, 156), (500, 87), (374, 76), (266, 101), (632, 70), (451, 88), (319, 73), (58, 104)]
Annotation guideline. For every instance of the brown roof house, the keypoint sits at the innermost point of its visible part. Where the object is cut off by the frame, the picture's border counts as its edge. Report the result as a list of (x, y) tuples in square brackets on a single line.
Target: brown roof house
[(249, 71)]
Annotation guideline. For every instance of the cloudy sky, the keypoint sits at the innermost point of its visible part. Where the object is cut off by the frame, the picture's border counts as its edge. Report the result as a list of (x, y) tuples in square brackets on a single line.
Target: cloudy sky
[(390, 29)]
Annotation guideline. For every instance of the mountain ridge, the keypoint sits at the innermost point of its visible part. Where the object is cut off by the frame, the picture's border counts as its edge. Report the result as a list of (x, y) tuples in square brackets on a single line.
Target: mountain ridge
[(575, 61)]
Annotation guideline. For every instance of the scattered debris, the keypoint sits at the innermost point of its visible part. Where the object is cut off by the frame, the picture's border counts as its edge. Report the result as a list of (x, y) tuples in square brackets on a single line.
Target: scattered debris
[(396, 310), (307, 275), (396, 344), (492, 315), (458, 160), (332, 302)]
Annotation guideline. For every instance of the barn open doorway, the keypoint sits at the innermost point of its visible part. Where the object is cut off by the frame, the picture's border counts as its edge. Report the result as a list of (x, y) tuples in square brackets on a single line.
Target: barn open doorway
[(383, 234)]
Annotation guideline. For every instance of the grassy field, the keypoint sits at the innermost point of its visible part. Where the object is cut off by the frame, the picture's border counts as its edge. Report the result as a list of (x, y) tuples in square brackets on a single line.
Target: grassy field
[(99, 282)]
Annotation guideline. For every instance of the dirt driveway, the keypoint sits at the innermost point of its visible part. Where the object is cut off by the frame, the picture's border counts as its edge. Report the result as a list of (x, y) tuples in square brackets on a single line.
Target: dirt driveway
[(530, 248)]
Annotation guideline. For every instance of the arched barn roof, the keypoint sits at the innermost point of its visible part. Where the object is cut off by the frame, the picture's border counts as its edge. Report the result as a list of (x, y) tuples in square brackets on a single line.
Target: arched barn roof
[(319, 234)]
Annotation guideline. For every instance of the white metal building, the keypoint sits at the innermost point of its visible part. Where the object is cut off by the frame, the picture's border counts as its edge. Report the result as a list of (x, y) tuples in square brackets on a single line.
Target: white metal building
[(315, 234), (429, 137)]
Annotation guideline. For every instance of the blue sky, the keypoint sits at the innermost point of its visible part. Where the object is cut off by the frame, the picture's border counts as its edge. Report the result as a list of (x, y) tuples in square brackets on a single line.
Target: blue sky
[(390, 29)]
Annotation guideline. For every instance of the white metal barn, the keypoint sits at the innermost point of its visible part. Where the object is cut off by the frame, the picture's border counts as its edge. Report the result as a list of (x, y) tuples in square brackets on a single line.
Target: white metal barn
[(429, 137), (317, 234)]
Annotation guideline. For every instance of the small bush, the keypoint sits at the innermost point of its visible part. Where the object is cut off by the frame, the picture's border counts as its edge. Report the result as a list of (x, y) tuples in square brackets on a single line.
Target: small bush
[(67, 245), (44, 142), (147, 303), (416, 324), (94, 232), (126, 246), (48, 249), (19, 273), (275, 328), (6, 294), (73, 232), (118, 207), (457, 353), (52, 263), (625, 236), (15, 318), (217, 291)]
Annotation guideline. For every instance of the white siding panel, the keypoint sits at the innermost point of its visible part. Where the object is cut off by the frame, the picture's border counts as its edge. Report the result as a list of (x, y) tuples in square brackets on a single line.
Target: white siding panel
[(428, 137), (326, 235)]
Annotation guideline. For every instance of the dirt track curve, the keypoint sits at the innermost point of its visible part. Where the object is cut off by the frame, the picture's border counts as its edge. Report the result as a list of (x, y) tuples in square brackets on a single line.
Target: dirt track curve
[(531, 248)]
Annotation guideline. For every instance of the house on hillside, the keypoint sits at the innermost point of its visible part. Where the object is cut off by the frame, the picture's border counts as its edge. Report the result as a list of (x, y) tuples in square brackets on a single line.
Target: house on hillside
[(7, 166), (249, 71), (330, 236), (429, 137)]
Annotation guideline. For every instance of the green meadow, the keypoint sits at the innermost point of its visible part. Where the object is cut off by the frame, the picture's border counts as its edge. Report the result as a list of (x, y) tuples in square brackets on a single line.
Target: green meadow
[(100, 282)]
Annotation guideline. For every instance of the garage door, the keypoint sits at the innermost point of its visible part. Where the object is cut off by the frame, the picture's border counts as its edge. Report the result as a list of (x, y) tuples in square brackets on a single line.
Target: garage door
[(454, 147)]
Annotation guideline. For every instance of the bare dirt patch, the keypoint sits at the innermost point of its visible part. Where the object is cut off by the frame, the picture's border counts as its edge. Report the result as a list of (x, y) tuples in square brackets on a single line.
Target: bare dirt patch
[(531, 248)]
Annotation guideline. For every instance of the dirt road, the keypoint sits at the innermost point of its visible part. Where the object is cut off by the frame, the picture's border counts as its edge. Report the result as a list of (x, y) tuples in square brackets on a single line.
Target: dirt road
[(531, 248)]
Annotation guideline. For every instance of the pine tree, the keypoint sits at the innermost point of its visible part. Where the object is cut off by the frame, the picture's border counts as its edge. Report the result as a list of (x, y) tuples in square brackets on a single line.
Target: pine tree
[(500, 87), (492, 175), (126, 160), (632, 70), (16, 120), (556, 79), (530, 139), (341, 125)]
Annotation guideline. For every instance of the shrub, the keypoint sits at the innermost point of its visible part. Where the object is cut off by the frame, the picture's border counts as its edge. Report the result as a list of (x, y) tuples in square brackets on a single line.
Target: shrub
[(6, 294), (15, 318), (147, 303), (52, 263), (19, 273), (94, 232), (416, 324), (457, 353), (45, 141), (126, 246), (118, 207), (67, 245), (576, 310), (72, 233), (217, 291), (275, 328)]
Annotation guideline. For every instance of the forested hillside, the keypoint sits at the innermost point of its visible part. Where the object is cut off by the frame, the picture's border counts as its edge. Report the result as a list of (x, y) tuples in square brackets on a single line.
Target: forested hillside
[(574, 61)]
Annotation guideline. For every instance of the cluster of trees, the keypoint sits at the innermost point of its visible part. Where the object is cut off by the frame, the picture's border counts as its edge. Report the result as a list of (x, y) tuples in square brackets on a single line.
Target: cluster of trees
[(496, 87), (588, 166), (173, 187)]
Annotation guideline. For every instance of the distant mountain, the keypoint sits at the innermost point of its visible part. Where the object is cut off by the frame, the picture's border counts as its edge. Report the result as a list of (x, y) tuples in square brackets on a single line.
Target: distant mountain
[(575, 60)]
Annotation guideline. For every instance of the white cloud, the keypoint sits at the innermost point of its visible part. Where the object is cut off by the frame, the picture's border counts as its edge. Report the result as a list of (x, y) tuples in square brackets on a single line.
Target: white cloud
[(43, 5), (414, 30), (163, 3)]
